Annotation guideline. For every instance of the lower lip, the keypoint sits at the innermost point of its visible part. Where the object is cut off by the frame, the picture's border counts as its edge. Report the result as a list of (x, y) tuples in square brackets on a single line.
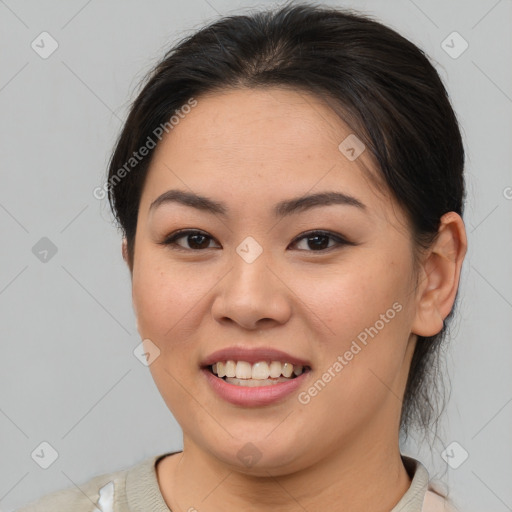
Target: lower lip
[(255, 396)]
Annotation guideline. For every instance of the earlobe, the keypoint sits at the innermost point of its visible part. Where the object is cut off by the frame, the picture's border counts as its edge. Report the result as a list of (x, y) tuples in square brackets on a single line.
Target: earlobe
[(439, 279), (124, 250), (126, 254)]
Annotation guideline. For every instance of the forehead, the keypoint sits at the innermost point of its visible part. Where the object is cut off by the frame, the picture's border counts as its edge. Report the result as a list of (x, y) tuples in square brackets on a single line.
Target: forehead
[(243, 122), (260, 143)]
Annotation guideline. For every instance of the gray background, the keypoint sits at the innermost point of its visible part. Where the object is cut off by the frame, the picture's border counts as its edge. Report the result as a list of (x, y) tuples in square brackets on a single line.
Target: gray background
[(68, 374)]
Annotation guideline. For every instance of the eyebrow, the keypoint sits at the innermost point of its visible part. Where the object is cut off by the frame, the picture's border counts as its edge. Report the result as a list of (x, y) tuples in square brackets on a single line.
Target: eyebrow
[(282, 209)]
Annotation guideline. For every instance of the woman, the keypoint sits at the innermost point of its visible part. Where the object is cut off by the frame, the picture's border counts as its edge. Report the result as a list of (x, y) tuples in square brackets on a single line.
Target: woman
[(290, 190)]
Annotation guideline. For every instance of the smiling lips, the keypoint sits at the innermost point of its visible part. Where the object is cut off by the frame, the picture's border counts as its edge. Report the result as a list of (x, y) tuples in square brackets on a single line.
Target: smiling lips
[(254, 377), (254, 367)]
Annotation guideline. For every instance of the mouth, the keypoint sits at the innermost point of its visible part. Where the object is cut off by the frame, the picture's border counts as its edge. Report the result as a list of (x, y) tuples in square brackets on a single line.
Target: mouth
[(258, 374)]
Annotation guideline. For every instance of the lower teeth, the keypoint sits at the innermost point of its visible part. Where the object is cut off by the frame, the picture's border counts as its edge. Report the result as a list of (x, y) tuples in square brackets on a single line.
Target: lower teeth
[(252, 383)]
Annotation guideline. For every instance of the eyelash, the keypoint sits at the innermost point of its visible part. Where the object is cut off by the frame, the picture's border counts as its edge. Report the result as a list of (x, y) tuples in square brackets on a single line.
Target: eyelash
[(170, 241)]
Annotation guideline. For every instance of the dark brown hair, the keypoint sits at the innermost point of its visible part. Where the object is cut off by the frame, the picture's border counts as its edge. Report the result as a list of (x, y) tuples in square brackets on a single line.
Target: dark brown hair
[(382, 84)]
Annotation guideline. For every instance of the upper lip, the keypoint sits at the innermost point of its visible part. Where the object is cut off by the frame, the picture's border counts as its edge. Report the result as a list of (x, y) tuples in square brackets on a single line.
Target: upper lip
[(253, 355)]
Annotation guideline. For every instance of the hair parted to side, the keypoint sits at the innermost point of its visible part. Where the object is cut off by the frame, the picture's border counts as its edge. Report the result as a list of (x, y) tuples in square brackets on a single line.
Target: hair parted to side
[(382, 84)]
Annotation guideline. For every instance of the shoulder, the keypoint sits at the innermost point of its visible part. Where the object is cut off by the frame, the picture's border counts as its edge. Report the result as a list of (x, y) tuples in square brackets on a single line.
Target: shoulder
[(131, 488), (436, 503), (84, 498), (423, 493)]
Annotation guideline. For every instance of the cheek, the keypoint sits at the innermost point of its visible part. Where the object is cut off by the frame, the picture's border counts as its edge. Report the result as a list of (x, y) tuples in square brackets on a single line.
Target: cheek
[(363, 312), (159, 295), (350, 298), (168, 299)]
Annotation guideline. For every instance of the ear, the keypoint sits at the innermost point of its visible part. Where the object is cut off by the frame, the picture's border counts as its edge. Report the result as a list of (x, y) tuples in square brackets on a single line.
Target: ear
[(124, 252), (439, 276)]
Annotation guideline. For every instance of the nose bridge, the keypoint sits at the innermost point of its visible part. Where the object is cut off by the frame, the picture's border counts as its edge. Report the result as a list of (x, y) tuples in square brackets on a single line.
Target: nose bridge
[(251, 291), (251, 271)]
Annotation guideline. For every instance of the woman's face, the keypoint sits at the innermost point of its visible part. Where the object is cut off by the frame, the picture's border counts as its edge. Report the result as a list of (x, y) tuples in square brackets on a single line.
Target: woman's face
[(255, 281)]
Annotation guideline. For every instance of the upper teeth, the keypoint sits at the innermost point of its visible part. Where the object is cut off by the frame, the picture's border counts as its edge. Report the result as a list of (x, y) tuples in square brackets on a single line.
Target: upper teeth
[(260, 370)]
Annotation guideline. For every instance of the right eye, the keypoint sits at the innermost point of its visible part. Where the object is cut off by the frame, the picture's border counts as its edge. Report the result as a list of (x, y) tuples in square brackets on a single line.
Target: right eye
[(197, 240)]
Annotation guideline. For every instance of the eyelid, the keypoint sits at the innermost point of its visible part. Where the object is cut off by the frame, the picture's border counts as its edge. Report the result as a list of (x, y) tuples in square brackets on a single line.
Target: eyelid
[(170, 240), (340, 240)]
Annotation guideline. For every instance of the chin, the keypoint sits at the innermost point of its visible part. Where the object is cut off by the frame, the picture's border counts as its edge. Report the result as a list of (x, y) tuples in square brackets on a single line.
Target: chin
[(259, 457)]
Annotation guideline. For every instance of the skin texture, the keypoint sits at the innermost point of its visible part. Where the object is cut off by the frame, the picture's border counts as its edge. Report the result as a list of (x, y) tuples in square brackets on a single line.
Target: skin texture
[(251, 149)]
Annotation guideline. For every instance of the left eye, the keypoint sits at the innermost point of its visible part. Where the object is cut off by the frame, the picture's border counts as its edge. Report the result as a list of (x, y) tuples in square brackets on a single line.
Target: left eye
[(319, 240), (197, 240)]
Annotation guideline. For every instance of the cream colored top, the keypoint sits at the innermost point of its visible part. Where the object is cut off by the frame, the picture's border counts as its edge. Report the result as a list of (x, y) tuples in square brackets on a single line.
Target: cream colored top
[(136, 490)]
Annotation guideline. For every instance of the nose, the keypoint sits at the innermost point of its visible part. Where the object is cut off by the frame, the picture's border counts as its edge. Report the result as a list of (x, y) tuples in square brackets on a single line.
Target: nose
[(252, 295)]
